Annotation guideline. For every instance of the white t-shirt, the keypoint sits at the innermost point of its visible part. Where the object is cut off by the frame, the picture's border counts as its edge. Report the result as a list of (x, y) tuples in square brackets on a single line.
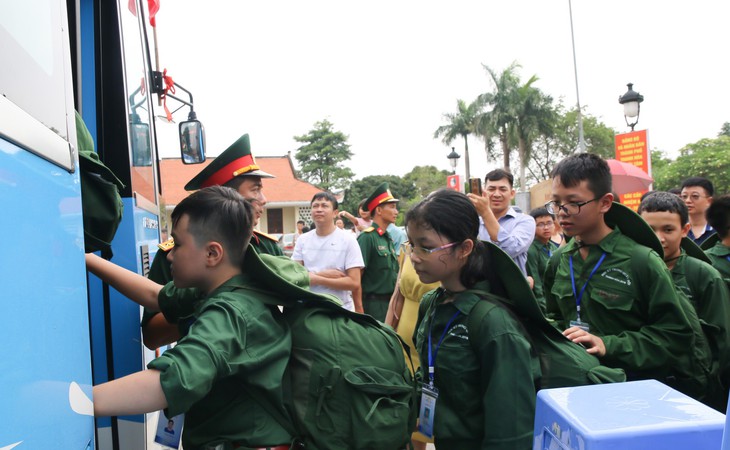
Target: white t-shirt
[(338, 250)]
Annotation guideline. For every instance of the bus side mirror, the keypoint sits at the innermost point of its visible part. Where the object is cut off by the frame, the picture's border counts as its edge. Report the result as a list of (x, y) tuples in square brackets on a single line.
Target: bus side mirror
[(192, 142)]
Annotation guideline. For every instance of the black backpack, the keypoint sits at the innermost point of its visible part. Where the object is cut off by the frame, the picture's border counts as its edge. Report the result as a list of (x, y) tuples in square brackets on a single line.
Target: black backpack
[(100, 199)]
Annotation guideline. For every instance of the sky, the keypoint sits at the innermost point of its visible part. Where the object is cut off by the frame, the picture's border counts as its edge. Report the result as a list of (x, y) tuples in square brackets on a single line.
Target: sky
[(384, 73)]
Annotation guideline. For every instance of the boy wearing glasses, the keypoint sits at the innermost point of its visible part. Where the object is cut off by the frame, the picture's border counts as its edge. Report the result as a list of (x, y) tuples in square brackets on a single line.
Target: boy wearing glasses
[(540, 251), (612, 295), (697, 195)]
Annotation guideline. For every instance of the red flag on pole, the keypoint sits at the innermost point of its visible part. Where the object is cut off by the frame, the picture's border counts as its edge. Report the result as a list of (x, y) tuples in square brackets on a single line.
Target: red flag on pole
[(152, 5)]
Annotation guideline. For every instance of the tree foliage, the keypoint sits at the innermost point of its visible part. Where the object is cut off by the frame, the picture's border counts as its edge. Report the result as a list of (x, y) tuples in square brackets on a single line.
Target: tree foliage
[(409, 189), (459, 124), (549, 149), (708, 158), (322, 155)]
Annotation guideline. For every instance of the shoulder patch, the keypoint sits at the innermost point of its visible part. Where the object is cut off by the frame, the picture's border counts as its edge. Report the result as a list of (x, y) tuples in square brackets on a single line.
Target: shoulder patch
[(368, 230), (167, 245), (272, 238)]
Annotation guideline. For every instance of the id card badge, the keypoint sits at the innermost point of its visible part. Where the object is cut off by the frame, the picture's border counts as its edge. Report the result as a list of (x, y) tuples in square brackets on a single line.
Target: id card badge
[(429, 395), (580, 324), (169, 430)]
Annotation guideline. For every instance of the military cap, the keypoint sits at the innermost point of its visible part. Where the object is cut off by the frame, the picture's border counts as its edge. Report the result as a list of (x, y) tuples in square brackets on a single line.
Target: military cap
[(378, 197), (235, 161), (694, 250), (633, 226)]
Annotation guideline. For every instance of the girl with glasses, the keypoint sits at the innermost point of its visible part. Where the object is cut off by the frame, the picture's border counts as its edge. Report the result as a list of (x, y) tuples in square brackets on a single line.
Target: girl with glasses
[(481, 394)]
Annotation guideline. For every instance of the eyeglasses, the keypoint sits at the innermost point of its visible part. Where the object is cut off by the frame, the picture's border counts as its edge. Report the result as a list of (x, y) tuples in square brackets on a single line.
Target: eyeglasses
[(694, 197), (423, 252), (570, 209), (544, 224)]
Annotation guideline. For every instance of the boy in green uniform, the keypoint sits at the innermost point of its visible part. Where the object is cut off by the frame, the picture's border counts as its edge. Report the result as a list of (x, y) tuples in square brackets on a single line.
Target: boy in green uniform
[(667, 215), (613, 295), (234, 346), (540, 251), (235, 168), (718, 217), (378, 253)]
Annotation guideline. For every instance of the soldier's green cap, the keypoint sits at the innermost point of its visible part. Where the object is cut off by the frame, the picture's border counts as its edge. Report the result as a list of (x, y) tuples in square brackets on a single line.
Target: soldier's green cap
[(378, 197), (694, 250), (633, 226), (235, 161), (519, 294), (710, 242)]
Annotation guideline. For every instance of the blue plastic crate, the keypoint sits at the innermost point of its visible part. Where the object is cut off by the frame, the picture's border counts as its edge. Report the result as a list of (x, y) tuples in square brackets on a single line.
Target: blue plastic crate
[(627, 416)]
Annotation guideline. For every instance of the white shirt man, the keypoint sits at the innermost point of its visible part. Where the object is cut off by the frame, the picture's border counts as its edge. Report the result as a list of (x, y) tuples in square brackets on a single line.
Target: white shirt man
[(331, 254)]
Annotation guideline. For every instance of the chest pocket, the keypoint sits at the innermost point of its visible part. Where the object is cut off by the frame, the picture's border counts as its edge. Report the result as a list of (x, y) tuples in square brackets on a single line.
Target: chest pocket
[(610, 297), (382, 249)]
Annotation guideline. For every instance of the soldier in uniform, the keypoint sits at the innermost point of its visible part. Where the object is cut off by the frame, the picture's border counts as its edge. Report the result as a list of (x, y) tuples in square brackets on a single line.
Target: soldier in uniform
[(378, 252), (235, 168)]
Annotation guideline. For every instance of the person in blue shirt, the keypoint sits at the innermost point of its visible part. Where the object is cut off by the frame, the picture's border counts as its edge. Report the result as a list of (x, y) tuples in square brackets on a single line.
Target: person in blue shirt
[(697, 194), (499, 223)]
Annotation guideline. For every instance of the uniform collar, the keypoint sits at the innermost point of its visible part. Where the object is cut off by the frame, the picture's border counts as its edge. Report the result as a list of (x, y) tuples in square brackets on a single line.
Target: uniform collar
[(607, 244)]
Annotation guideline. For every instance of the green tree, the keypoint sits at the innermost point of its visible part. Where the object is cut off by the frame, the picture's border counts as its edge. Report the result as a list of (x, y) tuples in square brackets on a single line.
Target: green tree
[(459, 124), (534, 117), (425, 179), (322, 156), (708, 158), (500, 118), (549, 149), (401, 189), (725, 130)]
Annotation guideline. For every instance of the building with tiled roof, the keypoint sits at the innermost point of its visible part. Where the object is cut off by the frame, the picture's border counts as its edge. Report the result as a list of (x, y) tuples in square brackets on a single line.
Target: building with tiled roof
[(287, 197)]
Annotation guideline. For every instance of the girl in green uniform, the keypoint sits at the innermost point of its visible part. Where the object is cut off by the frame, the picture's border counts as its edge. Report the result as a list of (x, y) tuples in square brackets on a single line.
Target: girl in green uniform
[(476, 395)]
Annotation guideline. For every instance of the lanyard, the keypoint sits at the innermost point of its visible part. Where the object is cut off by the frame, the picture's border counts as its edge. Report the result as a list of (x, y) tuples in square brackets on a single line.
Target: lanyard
[(432, 354), (547, 250), (579, 295)]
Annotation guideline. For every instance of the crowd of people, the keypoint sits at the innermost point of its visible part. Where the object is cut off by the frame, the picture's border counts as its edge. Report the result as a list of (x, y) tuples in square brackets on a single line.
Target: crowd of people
[(635, 290)]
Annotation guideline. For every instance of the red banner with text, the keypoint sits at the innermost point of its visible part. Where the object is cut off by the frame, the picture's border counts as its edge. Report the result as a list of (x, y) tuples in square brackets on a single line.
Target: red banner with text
[(633, 148)]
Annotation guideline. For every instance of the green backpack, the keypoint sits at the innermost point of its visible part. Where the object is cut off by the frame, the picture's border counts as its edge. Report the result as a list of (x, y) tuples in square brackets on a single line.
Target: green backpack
[(563, 363), (350, 385), (101, 202)]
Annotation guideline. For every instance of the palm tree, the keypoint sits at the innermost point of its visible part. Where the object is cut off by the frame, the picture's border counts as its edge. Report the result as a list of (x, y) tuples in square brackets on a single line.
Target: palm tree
[(500, 118), (534, 116), (459, 124)]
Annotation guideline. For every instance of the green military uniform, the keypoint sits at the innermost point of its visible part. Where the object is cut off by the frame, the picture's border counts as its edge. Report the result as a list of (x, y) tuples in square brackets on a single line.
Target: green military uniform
[(381, 270), (537, 257), (706, 290), (631, 304), (380, 258), (160, 269), (720, 256), (234, 345), (486, 399)]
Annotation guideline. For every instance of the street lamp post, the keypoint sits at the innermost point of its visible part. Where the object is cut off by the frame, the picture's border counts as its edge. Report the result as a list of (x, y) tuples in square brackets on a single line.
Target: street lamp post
[(453, 160), (632, 105)]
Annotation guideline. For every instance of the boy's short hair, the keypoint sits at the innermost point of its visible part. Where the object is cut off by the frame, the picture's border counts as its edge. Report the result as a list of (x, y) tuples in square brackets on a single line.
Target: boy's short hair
[(536, 213), (219, 214), (702, 182), (499, 174), (330, 197), (718, 215), (584, 166), (658, 201), (301, 221), (675, 191)]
